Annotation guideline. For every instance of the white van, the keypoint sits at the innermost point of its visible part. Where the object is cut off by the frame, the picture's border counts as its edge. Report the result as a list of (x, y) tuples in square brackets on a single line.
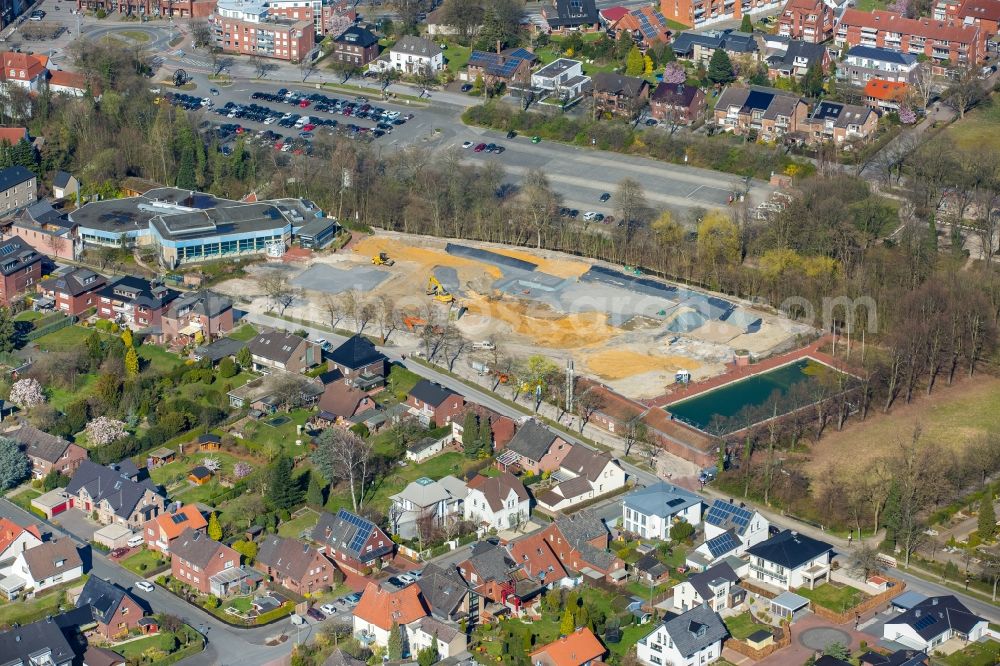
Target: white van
[(302, 122), (136, 541)]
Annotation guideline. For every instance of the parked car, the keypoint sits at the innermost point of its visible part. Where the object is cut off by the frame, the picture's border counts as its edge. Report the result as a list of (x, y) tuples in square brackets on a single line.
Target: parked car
[(407, 578), (511, 134), (214, 91), (329, 609), (466, 87), (536, 139), (353, 598), (479, 148), (397, 581), (316, 614), (590, 215), (605, 196), (467, 144), (119, 552), (145, 586)]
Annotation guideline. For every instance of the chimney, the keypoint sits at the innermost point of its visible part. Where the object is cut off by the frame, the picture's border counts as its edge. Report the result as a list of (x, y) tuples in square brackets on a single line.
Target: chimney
[(916, 613), (934, 601)]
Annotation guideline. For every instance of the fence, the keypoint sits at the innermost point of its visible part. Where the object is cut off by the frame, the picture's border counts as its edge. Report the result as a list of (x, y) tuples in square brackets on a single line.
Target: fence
[(897, 587), (782, 639), (760, 591), (45, 328)]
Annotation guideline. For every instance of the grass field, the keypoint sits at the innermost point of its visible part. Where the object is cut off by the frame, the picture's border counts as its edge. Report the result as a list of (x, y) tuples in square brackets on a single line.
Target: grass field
[(71, 337), (741, 626), (457, 56), (835, 597), (23, 498), (977, 654), (951, 417), (245, 332), (23, 611), (136, 35), (179, 468), (148, 557), (292, 528), (978, 130)]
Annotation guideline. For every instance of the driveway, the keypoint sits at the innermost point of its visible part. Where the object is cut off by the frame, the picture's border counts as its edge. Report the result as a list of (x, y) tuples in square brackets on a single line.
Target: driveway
[(77, 523)]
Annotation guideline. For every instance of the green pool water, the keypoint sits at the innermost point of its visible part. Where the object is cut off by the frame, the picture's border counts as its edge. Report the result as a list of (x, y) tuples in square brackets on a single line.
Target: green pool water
[(753, 392)]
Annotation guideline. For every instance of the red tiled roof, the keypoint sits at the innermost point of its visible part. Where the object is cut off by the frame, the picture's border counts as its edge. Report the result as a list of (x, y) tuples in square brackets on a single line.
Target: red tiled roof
[(574, 650), (381, 607), (980, 9), (58, 77), (23, 67), (13, 134), (186, 516), (10, 531), (614, 14), (885, 90), (533, 553), (804, 5), (923, 27)]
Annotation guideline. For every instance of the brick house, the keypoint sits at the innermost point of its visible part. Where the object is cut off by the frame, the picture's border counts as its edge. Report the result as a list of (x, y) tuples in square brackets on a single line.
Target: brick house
[(496, 68), (502, 428), (135, 302), (115, 611), (432, 403), (48, 452), (277, 350), (294, 565), (809, 20), (14, 540), (340, 402), (768, 112), (115, 494), (564, 16), (249, 28), (47, 230), (944, 42), (534, 449), (20, 267), (983, 13), (204, 312), (166, 528), (885, 95), (73, 292), (618, 94), (355, 46), (357, 357), (677, 103), (352, 542), (206, 565), (581, 541), (838, 123)]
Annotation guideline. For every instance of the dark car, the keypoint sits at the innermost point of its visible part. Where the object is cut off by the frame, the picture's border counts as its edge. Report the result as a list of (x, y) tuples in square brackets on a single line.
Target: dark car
[(394, 580), (574, 212), (316, 614), (490, 147), (511, 134), (605, 196), (479, 148), (650, 122), (499, 149), (466, 87), (118, 552)]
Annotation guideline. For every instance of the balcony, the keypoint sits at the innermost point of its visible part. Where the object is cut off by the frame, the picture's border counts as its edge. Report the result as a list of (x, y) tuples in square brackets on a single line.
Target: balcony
[(769, 574)]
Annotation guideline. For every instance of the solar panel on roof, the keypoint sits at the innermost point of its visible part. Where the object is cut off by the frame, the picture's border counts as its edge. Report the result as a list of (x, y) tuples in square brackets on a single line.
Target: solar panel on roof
[(7, 249), (721, 512), (924, 622), (721, 544)]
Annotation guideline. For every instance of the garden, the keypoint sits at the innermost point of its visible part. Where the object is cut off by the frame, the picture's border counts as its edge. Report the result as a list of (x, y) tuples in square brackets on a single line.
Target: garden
[(145, 562), (233, 610), (174, 642), (985, 653), (834, 596), (744, 625)]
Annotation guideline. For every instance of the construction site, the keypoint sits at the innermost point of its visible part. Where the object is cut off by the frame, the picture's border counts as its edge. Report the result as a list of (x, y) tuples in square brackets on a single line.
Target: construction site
[(636, 334)]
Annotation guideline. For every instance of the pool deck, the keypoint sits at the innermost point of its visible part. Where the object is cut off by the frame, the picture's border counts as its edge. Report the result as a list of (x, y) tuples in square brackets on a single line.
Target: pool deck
[(735, 373)]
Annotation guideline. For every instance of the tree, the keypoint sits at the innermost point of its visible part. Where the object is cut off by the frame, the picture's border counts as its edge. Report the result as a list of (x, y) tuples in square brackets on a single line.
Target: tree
[(568, 623), (8, 331), (541, 202), (634, 63), (429, 655), (631, 203), (395, 645), (838, 651), (54, 479), (470, 434), (746, 25), (987, 523), (14, 464), (104, 430), (501, 23), (466, 16), (277, 288), (214, 528), (248, 549), (127, 337), (27, 393), (867, 561), (227, 368), (674, 73), (720, 68), (241, 470), (341, 455), (718, 241), (282, 491), (201, 33), (131, 362), (244, 358), (812, 81), (966, 91), (314, 493), (587, 403)]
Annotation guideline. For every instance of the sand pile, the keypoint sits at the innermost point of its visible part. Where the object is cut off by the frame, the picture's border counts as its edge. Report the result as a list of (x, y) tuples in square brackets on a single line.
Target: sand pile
[(427, 257), (615, 364), (564, 268), (545, 327)]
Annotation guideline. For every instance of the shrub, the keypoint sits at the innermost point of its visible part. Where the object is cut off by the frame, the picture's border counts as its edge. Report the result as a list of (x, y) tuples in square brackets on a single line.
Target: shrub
[(227, 368)]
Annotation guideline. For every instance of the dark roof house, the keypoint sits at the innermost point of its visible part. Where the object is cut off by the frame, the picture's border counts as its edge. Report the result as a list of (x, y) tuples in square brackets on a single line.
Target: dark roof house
[(348, 533), (76, 282), (619, 84), (117, 486), (103, 597), (695, 630), (573, 14), (16, 255), (532, 440), (287, 557), (443, 588), (790, 549), (701, 582), (357, 352), (139, 292), (36, 643), (14, 175), (357, 36), (431, 393)]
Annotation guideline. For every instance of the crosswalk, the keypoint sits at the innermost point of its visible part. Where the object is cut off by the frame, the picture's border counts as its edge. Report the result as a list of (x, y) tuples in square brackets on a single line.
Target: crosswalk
[(194, 62)]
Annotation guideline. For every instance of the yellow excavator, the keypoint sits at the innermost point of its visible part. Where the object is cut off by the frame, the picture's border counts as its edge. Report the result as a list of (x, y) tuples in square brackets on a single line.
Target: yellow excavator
[(437, 290), (382, 259)]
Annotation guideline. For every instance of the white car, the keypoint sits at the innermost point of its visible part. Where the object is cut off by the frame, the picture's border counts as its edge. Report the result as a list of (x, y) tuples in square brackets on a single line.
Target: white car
[(590, 215), (407, 578), (467, 144), (328, 609), (269, 120), (145, 586)]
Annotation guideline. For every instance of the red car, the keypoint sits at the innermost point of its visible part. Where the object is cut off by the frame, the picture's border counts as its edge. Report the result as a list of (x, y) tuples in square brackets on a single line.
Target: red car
[(347, 111), (119, 552), (304, 103), (479, 148), (279, 145), (240, 130), (308, 127)]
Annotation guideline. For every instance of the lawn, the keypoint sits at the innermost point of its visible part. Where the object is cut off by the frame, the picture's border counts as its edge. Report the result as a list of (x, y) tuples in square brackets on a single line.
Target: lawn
[(835, 597), (65, 339), (869, 5), (245, 333), (401, 381), (136, 35), (978, 130), (158, 358), (457, 56), (194, 494), (151, 559), (23, 498), (741, 626), (60, 398), (28, 315), (294, 527), (976, 654), (134, 649), (435, 468), (242, 604), (640, 588), (22, 611), (262, 437), (179, 468)]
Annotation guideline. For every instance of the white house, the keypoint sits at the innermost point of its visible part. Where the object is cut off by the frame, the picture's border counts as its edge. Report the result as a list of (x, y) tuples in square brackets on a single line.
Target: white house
[(864, 63), (729, 530), (426, 498), (650, 512), (932, 622), (498, 502), (562, 77), (582, 475), (694, 637), (47, 565), (426, 631), (14, 540), (718, 587), (411, 55), (790, 560)]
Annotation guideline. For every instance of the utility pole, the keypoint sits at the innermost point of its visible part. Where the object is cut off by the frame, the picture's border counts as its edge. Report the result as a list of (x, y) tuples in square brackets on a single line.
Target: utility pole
[(569, 386)]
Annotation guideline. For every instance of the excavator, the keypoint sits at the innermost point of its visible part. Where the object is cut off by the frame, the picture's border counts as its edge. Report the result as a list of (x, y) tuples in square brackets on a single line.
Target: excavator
[(382, 259), (437, 290)]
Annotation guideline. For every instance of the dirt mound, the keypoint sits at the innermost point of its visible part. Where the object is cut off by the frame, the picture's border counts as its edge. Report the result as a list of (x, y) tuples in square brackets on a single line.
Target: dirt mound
[(614, 364), (546, 327), (564, 268), (427, 257)]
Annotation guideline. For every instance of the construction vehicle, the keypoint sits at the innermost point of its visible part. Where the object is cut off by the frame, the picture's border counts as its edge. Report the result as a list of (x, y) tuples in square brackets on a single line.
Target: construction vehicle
[(382, 259), (437, 290)]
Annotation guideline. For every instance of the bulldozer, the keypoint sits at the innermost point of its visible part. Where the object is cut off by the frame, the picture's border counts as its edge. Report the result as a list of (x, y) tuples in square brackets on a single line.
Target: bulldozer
[(437, 290), (382, 259)]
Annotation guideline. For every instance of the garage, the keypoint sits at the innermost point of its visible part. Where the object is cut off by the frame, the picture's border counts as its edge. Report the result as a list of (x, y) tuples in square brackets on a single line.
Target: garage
[(53, 502)]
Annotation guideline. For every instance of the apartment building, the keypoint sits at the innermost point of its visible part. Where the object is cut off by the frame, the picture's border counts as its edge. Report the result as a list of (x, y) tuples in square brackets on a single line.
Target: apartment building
[(768, 112), (809, 20), (327, 17), (355, 46), (698, 13), (864, 63), (946, 42), (135, 302), (250, 28), (982, 13), (18, 189)]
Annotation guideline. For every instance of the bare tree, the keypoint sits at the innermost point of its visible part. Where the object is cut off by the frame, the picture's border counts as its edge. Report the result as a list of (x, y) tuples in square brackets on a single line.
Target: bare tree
[(201, 33), (365, 313), (351, 305), (341, 454), (866, 561), (287, 389), (587, 404), (966, 91), (631, 204), (277, 288), (386, 316), (307, 67), (922, 86), (541, 202), (333, 306)]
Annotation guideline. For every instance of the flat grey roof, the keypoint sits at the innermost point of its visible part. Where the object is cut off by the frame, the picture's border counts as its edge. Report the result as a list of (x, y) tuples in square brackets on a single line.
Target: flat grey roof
[(219, 221), (114, 215), (557, 67)]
